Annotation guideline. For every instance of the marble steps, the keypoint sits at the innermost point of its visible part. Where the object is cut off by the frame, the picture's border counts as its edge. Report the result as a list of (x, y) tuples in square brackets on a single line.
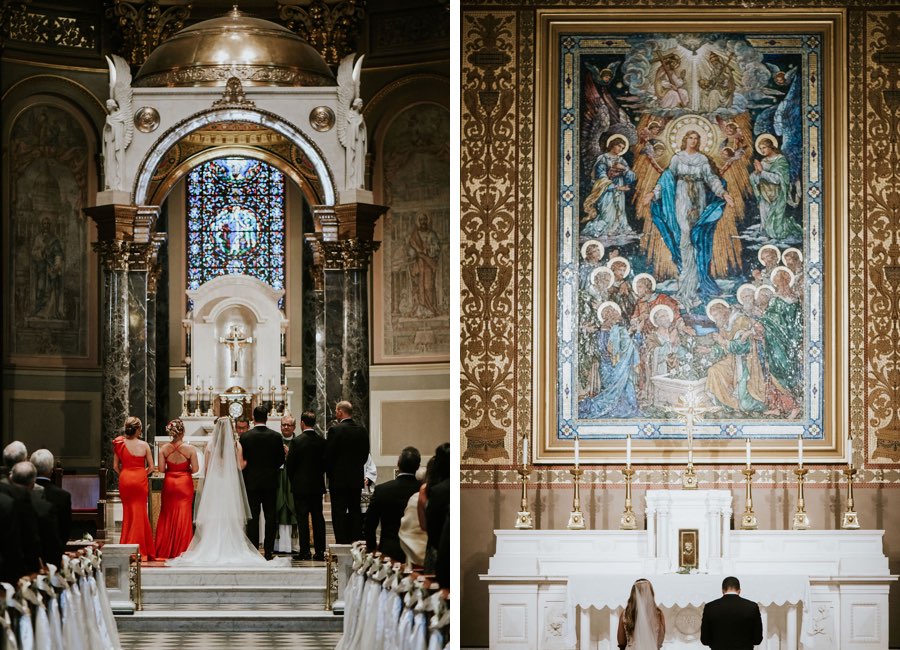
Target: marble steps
[(185, 595), (186, 619), (234, 577)]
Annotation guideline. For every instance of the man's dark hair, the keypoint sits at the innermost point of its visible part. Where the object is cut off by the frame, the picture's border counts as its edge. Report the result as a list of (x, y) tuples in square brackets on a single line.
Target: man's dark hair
[(440, 470), (308, 419), (731, 584), (260, 414), (409, 460)]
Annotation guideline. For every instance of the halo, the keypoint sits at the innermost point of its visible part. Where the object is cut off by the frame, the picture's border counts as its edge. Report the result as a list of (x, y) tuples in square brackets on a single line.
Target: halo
[(610, 263), (675, 130), (658, 309), (617, 136), (585, 245), (782, 269), (654, 123), (715, 301), (604, 305), (767, 287), (762, 136), (643, 275), (737, 293), (772, 246), (792, 250), (598, 271), (606, 70)]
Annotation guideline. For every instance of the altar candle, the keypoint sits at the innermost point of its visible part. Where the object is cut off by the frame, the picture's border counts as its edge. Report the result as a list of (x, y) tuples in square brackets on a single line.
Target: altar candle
[(748, 452), (577, 450), (800, 449), (628, 450), (524, 450)]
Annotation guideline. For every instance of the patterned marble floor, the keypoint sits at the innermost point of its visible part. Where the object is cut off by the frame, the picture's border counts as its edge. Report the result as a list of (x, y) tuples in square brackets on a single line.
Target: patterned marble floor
[(223, 640)]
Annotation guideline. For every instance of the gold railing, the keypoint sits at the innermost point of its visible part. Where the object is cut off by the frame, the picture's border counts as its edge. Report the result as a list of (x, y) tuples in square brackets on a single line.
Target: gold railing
[(134, 581)]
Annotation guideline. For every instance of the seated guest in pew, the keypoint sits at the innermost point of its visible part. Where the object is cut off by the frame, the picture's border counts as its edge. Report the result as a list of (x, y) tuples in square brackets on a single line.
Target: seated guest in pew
[(42, 460), (30, 541), (642, 625), (731, 622), (51, 549), (12, 562), (388, 503), (412, 535)]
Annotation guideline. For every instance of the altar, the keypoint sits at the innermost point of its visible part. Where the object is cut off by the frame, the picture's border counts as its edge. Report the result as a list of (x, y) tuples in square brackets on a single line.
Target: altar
[(555, 589)]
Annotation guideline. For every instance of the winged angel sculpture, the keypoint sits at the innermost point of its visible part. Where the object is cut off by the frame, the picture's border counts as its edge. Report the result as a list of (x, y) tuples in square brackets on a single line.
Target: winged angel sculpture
[(119, 128), (351, 128)]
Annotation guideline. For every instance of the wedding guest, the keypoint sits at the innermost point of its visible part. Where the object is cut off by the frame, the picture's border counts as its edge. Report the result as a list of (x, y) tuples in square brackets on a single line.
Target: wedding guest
[(12, 562), (178, 461), (61, 499), (133, 461), (305, 471), (438, 495), (263, 453), (51, 549), (731, 622), (346, 451), (24, 512), (642, 625), (388, 503), (412, 535)]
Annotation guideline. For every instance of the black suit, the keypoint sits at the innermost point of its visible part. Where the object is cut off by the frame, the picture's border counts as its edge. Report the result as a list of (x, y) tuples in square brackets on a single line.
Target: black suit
[(12, 562), (62, 501), (264, 452), (304, 467), (386, 506), (731, 623), (48, 526), (28, 523), (346, 453)]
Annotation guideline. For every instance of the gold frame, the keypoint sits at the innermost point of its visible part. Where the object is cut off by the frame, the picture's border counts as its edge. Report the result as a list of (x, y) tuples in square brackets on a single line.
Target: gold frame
[(686, 535), (831, 23)]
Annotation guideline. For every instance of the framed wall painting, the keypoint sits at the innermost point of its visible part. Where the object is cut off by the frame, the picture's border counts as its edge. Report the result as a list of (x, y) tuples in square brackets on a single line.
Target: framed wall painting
[(691, 235)]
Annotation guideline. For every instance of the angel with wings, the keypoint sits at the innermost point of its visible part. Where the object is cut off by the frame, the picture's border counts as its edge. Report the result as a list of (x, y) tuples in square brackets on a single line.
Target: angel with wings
[(351, 127), (119, 128)]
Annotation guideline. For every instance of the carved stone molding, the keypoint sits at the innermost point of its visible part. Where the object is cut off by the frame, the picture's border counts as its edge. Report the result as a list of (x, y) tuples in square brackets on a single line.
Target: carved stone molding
[(141, 255), (114, 222), (330, 26), (114, 255), (234, 96), (357, 220), (155, 272), (144, 26), (316, 269), (357, 253)]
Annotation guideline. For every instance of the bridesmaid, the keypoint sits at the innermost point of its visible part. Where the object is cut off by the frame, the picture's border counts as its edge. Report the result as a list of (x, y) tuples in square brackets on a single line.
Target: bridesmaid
[(134, 463), (178, 460)]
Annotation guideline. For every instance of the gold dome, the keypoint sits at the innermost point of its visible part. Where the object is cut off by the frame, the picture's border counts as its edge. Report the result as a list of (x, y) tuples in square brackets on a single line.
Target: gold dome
[(258, 52)]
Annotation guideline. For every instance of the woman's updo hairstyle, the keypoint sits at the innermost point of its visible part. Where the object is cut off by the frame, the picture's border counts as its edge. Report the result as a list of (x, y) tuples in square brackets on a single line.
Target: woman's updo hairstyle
[(132, 425), (175, 428)]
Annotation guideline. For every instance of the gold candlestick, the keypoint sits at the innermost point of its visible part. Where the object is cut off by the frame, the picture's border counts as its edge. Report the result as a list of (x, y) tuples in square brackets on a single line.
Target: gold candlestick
[(628, 520), (850, 520), (576, 517), (748, 519), (523, 518), (801, 519), (197, 410), (185, 398), (209, 405)]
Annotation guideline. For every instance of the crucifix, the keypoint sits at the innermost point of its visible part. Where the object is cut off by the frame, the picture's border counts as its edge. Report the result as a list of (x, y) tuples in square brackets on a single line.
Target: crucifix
[(236, 342), (690, 410)]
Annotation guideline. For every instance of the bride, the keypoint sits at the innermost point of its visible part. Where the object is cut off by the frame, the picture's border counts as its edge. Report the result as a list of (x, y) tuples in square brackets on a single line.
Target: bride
[(219, 538)]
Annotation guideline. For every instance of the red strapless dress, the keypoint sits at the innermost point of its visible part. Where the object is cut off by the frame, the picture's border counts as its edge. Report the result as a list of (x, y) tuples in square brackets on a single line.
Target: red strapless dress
[(134, 487), (175, 529)]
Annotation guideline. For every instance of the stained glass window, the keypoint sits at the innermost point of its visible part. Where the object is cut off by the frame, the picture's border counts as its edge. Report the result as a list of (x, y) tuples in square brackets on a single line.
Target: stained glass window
[(235, 221)]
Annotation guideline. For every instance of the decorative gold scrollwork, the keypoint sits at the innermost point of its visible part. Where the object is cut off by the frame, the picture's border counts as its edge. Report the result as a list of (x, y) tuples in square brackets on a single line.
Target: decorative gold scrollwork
[(330, 26), (144, 26)]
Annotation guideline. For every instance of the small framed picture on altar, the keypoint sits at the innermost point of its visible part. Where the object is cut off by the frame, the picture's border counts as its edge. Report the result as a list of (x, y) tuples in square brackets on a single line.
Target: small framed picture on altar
[(688, 540)]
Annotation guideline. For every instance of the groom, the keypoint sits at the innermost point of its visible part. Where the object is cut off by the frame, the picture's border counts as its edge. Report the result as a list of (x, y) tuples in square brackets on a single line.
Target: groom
[(264, 453)]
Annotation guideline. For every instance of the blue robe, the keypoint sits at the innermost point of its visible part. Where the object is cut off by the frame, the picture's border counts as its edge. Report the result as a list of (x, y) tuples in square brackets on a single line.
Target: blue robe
[(618, 360)]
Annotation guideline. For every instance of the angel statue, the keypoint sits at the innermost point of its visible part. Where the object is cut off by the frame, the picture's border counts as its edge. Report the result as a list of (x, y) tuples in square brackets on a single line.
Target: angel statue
[(119, 128), (351, 128)]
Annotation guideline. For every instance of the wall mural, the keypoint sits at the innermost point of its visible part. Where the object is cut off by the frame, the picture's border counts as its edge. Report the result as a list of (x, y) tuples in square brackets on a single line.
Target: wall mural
[(415, 301), (48, 297)]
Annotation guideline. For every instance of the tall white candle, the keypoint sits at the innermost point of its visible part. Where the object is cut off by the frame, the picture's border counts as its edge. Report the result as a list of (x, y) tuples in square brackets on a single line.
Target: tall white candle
[(628, 451), (800, 449), (748, 452), (524, 450), (577, 450)]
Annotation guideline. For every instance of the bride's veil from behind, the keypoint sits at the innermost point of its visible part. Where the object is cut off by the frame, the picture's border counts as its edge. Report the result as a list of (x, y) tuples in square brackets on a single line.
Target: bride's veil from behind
[(219, 536)]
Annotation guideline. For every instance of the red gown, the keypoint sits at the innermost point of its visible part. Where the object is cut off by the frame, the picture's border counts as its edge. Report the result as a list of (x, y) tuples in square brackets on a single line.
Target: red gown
[(134, 487), (175, 529)]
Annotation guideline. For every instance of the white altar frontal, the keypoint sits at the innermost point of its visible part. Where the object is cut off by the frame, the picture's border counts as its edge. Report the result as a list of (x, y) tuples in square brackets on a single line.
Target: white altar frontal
[(555, 589)]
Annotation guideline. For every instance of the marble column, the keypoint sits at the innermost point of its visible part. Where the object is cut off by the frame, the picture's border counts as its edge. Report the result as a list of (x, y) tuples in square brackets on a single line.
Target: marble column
[(313, 331), (114, 347), (332, 328), (153, 275)]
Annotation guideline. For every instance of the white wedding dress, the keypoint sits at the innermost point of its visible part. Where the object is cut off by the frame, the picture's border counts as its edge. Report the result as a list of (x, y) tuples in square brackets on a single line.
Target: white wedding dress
[(219, 537)]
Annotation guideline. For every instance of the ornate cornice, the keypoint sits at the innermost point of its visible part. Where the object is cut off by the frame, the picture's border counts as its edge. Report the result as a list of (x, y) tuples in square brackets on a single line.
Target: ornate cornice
[(144, 26), (258, 74), (330, 26), (357, 253), (316, 268), (114, 255)]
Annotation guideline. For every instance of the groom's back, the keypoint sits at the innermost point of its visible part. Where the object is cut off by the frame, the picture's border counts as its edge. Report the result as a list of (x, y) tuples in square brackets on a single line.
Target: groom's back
[(264, 453)]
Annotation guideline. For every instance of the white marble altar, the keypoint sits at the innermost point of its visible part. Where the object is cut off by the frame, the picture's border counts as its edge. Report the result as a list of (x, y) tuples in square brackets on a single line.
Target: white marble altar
[(540, 581)]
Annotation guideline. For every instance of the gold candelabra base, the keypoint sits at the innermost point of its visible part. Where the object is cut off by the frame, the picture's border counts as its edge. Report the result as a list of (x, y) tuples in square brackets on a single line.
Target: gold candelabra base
[(689, 478), (748, 519), (576, 517), (628, 520), (524, 520), (850, 520), (801, 519)]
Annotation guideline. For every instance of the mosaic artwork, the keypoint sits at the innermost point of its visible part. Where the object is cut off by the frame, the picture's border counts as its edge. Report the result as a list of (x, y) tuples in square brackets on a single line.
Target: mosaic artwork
[(689, 239)]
